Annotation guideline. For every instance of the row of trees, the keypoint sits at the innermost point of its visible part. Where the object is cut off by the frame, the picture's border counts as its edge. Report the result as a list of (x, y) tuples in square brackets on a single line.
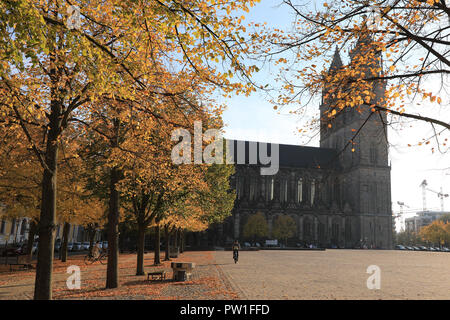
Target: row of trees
[(256, 228), (437, 233), (88, 104), (97, 94)]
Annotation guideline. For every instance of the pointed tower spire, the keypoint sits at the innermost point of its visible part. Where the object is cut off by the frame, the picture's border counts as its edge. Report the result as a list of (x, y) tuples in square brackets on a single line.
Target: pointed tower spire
[(363, 44), (337, 62)]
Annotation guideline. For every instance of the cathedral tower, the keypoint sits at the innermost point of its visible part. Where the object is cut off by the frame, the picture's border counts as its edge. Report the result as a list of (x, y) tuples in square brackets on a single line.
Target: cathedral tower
[(360, 138)]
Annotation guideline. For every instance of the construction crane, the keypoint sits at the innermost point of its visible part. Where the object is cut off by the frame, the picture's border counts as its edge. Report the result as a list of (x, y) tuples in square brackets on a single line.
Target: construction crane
[(440, 195)]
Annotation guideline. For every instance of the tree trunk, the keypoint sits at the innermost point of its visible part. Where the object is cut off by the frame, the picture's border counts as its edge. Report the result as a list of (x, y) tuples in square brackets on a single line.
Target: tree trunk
[(63, 249), (167, 237), (112, 272), (182, 241), (156, 259), (44, 267), (176, 239), (140, 250)]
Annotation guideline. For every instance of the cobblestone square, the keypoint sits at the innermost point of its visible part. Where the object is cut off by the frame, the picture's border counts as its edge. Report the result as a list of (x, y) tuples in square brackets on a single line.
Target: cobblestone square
[(337, 274)]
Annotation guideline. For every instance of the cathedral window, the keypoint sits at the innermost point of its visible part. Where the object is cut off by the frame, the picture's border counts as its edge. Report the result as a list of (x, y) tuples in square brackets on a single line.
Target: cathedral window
[(373, 154), (284, 192), (13, 226), (263, 188), (271, 188), (252, 193), (300, 190), (239, 187)]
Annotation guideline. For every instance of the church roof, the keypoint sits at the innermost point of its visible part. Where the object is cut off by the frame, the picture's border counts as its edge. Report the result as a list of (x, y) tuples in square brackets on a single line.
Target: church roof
[(291, 155)]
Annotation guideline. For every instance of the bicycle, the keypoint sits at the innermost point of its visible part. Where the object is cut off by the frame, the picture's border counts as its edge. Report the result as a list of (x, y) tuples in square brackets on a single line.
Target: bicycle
[(102, 257)]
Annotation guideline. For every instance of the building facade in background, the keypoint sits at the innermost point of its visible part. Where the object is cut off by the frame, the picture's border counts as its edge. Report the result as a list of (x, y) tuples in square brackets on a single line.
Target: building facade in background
[(338, 194), (422, 219), (16, 230)]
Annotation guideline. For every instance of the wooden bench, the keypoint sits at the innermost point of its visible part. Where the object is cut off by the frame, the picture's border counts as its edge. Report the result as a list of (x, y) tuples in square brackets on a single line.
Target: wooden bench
[(161, 275), (22, 260)]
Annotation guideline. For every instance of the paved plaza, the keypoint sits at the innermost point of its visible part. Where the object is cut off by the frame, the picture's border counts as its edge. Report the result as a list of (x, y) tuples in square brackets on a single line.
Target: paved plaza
[(278, 275), (337, 274)]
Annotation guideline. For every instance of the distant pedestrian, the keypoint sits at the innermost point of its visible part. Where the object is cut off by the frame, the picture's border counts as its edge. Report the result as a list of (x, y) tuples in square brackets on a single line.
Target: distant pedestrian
[(235, 247)]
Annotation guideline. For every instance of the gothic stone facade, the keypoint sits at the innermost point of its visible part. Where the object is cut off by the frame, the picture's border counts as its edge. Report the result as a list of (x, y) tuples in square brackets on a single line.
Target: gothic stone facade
[(336, 198)]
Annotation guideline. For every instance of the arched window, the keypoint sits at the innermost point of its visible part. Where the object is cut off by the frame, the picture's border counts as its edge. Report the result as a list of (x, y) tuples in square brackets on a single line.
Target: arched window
[(271, 188), (252, 191), (238, 187), (299, 190), (13, 226), (313, 190), (284, 190)]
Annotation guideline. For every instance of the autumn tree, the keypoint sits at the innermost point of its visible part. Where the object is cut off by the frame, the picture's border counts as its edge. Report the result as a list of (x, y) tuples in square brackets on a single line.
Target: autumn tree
[(256, 227), (20, 180), (435, 233), (408, 238), (55, 64), (284, 227), (164, 194)]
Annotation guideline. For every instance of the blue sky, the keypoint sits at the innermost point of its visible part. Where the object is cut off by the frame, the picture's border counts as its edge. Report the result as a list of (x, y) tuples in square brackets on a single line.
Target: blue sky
[(253, 118)]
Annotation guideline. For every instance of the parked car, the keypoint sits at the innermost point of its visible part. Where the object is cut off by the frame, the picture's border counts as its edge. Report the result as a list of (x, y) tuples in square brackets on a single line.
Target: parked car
[(77, 246), (400, 247), (445, 249), (423, 248), (69, 246), (409, 248), (431, 249), (416, 248), (247, 244), (86, 245), (105, 244)]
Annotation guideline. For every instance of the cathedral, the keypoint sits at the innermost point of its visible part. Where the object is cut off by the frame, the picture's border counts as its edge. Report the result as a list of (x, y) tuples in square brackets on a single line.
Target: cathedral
[(338, 197)]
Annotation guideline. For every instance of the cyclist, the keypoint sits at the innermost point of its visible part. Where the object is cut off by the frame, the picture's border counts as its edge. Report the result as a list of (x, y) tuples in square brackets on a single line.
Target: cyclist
[(96, 250), (236, 246)]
